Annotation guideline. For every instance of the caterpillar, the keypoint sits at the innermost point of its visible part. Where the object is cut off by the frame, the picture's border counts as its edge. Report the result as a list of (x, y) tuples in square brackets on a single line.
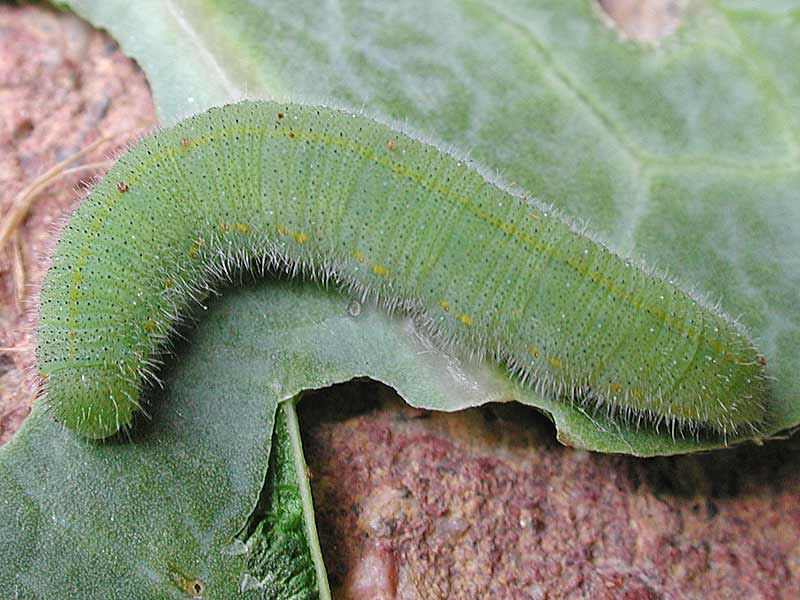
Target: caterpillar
[(339, 197)]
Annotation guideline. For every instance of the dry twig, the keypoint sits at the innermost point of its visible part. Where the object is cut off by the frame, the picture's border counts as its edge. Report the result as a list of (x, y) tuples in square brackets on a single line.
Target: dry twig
[(17, 270), (22, 203)]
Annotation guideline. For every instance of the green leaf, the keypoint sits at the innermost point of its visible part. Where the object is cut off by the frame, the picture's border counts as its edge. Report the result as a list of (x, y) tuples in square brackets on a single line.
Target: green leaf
[(151, 515), (684, 154), (281, 544)]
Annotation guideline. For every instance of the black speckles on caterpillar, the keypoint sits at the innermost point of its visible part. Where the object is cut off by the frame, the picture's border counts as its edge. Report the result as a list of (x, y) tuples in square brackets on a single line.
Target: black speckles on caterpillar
[(326, 192)]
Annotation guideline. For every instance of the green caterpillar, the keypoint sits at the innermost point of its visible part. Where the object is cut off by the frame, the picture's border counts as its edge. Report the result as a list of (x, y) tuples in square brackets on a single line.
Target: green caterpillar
[(335, 195)]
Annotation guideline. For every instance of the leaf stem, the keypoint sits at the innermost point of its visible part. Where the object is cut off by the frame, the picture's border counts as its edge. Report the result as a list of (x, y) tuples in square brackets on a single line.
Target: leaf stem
[(301, 470)]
